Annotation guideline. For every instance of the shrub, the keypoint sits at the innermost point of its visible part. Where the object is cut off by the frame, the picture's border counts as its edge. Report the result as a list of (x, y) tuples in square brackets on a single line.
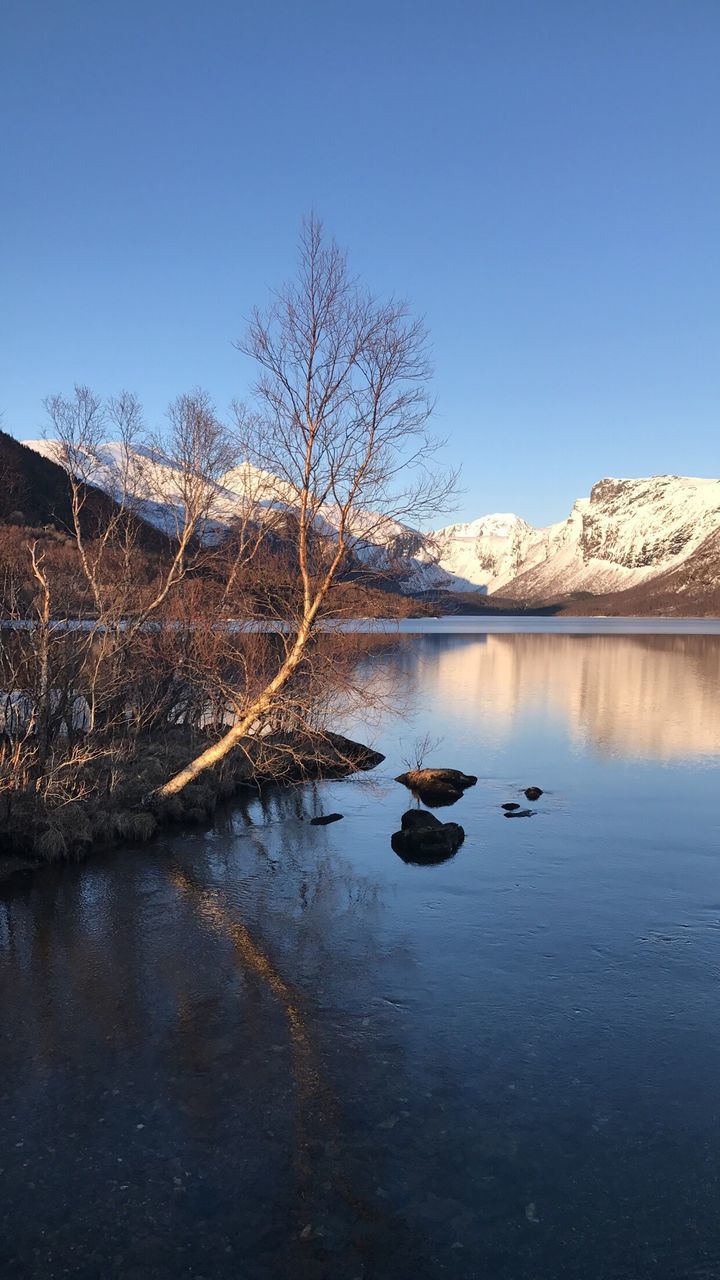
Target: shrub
[(51, 844), (135, 826)]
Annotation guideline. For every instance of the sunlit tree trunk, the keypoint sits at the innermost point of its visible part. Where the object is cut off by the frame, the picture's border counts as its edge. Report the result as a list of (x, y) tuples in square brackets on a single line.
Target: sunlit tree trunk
[(339, 426)]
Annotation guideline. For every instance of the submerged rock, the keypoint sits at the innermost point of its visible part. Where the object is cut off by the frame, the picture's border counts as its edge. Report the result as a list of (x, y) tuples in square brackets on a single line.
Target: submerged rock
[(510, 806), (424, 840), (519, 813), (324, 819), (533, 793)]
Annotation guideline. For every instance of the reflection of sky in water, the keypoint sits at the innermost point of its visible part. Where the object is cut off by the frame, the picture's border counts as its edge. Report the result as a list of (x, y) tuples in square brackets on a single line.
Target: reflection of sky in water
[(506, 1065)]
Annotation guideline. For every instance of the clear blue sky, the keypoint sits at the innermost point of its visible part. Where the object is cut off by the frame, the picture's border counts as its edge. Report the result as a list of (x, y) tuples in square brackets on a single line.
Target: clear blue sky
[(541, 177)]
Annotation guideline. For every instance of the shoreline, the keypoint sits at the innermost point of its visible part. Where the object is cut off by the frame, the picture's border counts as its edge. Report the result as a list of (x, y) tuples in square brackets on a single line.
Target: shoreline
[(95, 826), (526, 620)]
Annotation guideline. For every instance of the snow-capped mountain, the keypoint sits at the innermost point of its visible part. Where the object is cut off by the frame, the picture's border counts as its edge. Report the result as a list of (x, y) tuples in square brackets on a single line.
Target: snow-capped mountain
[(154, 485), (625, 533), (486, 553)]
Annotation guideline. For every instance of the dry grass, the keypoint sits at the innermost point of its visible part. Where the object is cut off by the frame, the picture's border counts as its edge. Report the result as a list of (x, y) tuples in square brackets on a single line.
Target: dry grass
[(98, 816)]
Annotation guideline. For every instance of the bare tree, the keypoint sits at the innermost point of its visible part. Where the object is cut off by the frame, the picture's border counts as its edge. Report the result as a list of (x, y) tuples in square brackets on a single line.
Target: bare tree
[(176, 473), (421, 748), (337, 435)]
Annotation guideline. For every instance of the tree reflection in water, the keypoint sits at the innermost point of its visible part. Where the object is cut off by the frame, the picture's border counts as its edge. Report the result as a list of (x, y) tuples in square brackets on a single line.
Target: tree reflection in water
[(148, 956)]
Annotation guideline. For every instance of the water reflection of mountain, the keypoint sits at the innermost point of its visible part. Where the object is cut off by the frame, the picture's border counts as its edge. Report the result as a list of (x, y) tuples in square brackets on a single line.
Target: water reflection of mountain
[(653, 697)]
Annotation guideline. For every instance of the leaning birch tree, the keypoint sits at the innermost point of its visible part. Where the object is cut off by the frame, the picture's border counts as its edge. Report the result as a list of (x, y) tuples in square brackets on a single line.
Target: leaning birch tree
[(337, 431)]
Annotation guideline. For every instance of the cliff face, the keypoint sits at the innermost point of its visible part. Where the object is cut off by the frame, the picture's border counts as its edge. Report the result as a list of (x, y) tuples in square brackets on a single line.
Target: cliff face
[(691, 588), (626, 533)]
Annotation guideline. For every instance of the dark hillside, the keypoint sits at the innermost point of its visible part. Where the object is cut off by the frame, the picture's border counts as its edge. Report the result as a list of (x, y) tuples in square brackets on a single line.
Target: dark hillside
[(477, 604), (35, 508), (34, 490)]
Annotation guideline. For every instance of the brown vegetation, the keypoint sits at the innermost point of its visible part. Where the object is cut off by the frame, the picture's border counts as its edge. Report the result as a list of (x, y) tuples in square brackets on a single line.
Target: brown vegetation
[(74, 774)]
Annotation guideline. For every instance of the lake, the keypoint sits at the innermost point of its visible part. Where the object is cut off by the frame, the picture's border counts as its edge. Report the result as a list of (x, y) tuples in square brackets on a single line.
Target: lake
[(266, 1049)]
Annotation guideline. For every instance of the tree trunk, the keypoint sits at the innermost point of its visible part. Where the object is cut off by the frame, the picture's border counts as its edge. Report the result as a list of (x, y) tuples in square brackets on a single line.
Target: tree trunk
[(214, 754)]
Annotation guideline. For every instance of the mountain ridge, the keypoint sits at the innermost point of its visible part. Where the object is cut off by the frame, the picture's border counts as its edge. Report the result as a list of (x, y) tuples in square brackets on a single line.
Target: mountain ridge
[(625, 535)]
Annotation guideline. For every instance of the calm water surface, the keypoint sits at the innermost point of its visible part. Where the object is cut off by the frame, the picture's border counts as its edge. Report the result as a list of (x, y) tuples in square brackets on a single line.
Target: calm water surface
[(265, 1049)]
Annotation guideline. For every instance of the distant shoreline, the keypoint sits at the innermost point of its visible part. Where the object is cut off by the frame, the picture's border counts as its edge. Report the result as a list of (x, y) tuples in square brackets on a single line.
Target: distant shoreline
[(564, 623)]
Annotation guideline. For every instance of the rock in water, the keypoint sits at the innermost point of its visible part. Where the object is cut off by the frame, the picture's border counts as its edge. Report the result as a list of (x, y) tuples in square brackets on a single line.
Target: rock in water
[(533, 793), (519, 813), (419, 820), (437, 777), (424, 840), (437, 786), (510, 806), (324, 819), (351, 755)]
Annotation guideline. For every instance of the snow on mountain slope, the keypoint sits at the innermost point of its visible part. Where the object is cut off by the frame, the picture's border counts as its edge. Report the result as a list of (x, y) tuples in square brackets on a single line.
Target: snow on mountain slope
[(154, 484), (691, 588), (625, 533), (486, 553)]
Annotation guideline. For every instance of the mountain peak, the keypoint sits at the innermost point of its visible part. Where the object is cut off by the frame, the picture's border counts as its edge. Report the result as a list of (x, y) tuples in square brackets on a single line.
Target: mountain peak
[(626, 531), (497, 524)]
